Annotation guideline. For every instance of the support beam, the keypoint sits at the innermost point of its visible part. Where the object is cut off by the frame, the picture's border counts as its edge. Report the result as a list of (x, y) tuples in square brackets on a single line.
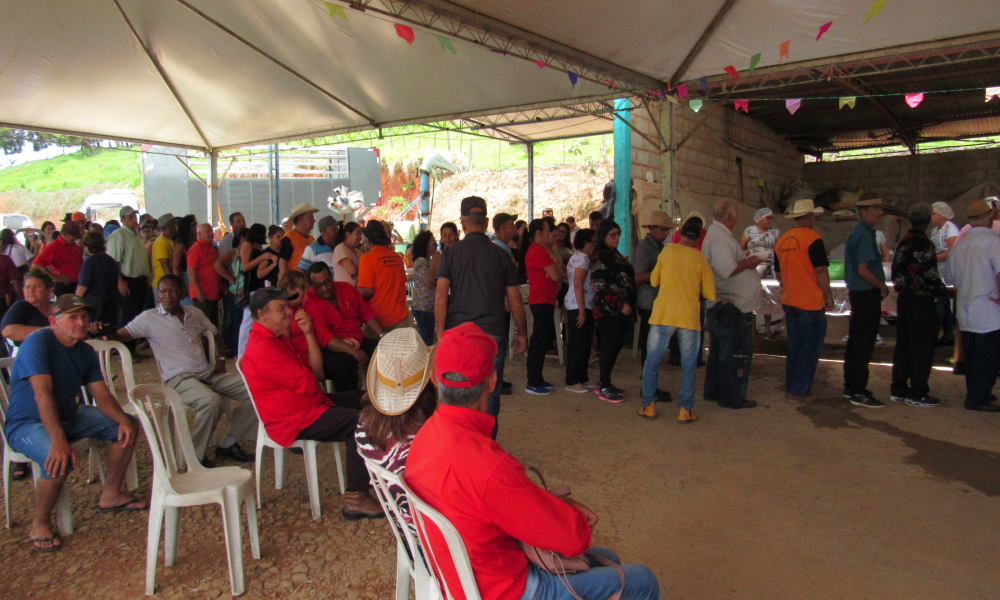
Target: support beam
[(623, 173), (702, 41), (628, 123), (862, 89), (531, 182), (274, 176), (212, 197)]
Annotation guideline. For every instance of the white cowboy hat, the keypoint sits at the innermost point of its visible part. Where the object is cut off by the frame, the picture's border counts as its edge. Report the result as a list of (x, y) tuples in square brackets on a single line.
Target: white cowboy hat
[(300, 209), (400, 369), (802, 208)]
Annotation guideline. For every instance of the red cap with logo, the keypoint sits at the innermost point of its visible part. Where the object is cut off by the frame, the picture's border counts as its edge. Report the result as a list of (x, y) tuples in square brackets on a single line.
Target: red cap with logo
[(465, 350)]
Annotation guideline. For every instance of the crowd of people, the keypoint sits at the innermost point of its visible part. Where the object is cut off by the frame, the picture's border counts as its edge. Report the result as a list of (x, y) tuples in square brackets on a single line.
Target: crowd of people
[(300, 313)]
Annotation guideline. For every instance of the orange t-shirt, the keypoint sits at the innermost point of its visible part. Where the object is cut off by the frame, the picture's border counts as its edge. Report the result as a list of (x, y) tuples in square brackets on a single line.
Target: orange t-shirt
[(299, 244), (799, 286), (382, 268)]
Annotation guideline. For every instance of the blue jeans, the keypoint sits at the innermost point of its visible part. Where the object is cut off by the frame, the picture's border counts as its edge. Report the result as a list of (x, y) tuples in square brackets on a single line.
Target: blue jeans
[(493, 406), (598, 583), (806, 332), (656, 347), (425, 325)]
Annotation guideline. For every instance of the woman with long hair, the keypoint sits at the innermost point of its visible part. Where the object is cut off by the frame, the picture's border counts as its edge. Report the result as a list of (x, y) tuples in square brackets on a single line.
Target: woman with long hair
[(545, 274), (579, 320), (347, 252), (9, 245), (613, 279), (268, 271), (449, 236), (561, 242), (424, 246)]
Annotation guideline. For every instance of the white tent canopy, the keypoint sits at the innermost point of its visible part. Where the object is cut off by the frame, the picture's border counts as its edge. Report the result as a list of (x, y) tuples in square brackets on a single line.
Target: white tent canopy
[(216, 74)]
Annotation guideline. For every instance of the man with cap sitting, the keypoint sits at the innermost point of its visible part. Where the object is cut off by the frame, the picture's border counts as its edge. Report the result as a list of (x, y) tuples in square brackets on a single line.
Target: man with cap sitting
[(63, 258), (322, 249), (917, 280), (129, 250), (45, 415), (294, 244), (865, 279), (483, 285), (456, 468), (291, 402), (974, 269), (643, 260)]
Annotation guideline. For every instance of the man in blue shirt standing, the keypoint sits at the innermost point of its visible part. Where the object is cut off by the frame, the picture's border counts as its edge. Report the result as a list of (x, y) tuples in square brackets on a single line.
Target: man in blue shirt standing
[(45, 415), (865, 279)]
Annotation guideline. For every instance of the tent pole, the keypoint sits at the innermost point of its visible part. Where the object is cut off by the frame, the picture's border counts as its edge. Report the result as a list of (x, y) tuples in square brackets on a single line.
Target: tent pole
[(213, 185), (274, 172), (623, 173), (531, 182)]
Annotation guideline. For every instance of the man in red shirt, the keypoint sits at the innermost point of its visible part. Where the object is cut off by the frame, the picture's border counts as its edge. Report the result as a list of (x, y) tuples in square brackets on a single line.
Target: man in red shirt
[(289, 399), (63, 258), (204, 280), (338, 313), (484, 492)]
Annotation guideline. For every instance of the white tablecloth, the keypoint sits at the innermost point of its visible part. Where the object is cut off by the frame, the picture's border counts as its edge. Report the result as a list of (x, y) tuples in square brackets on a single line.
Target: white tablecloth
[(771, 303)]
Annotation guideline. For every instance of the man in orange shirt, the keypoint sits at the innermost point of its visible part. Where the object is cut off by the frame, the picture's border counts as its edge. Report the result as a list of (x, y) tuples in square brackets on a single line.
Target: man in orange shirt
[(382, 279), (801, 268), (298, 238)]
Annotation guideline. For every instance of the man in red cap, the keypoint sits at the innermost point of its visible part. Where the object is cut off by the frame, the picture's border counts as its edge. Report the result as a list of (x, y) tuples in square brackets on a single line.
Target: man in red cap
[(485, 493)]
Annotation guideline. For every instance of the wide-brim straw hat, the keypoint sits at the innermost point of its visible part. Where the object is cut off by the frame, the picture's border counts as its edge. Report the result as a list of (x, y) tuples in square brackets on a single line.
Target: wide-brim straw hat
[(658, 218), (300, 209), (869, 203), (399, 370), (802, 208), (977, 208)]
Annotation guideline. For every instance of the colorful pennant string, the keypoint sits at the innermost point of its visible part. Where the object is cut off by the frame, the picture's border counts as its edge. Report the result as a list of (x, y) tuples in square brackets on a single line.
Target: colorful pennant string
[(541, 65), (405, 32), (733, 73), (783, 50), (743, 105), (682, 91), (875, 9), (754, 60), (572, 77), (823, 29), (695, 105), (992, 92), (446, 44), (335, 11), (848, 101), (914, 100), (793, 104), (704, 83)]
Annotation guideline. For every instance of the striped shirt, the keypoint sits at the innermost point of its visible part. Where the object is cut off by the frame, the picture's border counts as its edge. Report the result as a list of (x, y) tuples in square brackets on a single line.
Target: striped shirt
[(392, 460)]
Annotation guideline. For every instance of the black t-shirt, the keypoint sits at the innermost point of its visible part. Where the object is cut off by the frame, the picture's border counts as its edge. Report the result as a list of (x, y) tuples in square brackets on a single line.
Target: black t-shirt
[(285, 250), (23, 313), (479, 272)]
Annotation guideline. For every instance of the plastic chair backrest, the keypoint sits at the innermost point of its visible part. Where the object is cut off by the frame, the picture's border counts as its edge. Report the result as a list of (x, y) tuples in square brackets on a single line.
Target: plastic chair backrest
[(209, 358), (104, 351), (5, 367), (456, 547), (155, 418), (246, 384), (383, 480)]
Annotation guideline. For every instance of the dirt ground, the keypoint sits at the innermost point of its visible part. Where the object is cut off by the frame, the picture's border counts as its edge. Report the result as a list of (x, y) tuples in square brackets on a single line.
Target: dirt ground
[(788, 500)]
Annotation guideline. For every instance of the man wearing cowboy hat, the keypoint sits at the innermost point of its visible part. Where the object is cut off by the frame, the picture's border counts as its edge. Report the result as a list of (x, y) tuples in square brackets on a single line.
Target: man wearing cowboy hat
[(974, 269), (298, 238), (801, 269), (865, 279), (643, 261)]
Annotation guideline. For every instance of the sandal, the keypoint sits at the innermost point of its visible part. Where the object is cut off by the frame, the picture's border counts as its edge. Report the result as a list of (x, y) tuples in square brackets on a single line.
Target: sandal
[(54, 548), (124, 507), (20, 471)]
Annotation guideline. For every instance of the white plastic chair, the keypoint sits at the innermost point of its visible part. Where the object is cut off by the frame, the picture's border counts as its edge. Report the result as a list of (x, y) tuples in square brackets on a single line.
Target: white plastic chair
[(172, 490), (104, 351), (308, 453), (422, 512)]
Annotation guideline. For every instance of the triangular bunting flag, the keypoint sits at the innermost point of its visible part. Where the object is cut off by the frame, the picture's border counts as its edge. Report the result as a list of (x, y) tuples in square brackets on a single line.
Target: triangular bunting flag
[(875, 9), (335, 11), (695, 105), (991, 92), (754, 60), (572, 77), (704, 84), (793, 104), (743, 105), (541, 65), (847, 101), (914, 100), (783, 50), (733, 73), (682, 91), (823, 29), (405, 32), (446, 44)]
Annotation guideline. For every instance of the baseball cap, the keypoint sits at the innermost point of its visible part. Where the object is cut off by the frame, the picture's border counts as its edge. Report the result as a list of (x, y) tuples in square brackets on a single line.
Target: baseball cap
[(473, 205), (327, 221), (126, 211), (465, 350), (75, 216), (500, 218), (68, 303), (263, 296)]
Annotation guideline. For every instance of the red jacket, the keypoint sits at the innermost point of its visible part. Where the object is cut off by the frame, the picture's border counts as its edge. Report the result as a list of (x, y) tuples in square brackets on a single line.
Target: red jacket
[(484, 492), (330, 322)]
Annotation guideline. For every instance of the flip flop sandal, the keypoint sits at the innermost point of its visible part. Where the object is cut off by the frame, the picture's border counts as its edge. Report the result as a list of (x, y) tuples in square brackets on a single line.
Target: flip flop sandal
[(35, 541), (20, 472), (124, 507)]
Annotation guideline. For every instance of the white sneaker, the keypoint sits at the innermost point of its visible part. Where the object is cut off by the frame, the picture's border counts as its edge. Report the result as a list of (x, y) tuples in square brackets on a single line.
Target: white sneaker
[(879, 341), (844, 339), (576, 388)]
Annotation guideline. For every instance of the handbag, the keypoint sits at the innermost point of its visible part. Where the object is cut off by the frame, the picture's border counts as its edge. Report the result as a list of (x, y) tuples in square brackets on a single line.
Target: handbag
[(561, 566)]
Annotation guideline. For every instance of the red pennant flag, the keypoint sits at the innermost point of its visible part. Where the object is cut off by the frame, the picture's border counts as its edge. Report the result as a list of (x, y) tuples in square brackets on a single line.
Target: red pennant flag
[(682, 91), (743, 105), (783, 50), (823, 29), (541, 65), (733, 73), (405, 32), (914, 100)]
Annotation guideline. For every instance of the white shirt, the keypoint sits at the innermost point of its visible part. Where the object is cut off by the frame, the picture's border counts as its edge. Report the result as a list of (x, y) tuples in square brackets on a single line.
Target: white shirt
[(972, 268), (19, 254), (579, 260), (176, 346), (723, 253), (340, 253)]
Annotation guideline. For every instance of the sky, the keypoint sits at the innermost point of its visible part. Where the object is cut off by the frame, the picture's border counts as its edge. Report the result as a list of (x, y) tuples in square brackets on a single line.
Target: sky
[(27, 154)]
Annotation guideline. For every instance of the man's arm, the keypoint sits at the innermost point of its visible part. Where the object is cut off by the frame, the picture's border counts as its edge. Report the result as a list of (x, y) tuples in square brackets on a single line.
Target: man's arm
[(441, 305), (17, 333), (520, 341), (315, 353), (61, 455), (823, 279), (375, 326), (222, 266), (366, 292), (220, 353), (866, 273), (55, 276)]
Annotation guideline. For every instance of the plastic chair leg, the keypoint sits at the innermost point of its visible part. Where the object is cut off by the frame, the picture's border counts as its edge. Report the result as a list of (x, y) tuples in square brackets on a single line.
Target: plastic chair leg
[(557, 317), (312, 479), (252, 528), (153, 542), (94, 463), (172, 529), (234, 543), (7, 470), (402, 573), (132, 475), (64, 513), (279, 468), (337, 448), (259, 459)]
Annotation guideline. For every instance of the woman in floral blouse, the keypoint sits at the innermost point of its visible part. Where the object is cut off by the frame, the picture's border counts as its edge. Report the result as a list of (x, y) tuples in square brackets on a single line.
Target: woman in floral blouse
[(613, 280)]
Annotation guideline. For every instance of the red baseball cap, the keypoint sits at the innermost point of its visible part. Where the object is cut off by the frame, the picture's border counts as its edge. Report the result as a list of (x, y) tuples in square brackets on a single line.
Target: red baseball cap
[(466, 350)]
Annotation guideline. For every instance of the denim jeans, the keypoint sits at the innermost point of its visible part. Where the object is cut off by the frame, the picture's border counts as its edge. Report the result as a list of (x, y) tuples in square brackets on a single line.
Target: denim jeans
[(982, 357), (493, 406), (656, 347), (425, 325), (806, 333), (232, 319), (730, 353), (598, 583)]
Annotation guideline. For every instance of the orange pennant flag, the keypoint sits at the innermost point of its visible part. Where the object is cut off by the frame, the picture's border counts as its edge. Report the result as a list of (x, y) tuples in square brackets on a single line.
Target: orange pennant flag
[(405, 32), (783, 50)]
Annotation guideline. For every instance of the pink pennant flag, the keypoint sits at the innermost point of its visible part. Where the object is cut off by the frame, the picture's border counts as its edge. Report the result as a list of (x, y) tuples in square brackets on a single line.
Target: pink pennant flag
[(405, 32), (823, 29), (914, 100), (743, 105), (793, 104), (992, 92), (733, 73), (783, 50), (541, 65), (682, 91)]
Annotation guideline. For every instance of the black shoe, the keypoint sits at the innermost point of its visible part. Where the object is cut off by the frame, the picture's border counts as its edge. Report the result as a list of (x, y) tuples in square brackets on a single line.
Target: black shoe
[(296, 451), (749, 404), (233, 452), (207, 463), (958, 368), (506, 388), (983, 407), (675, 362), (663, 396), (866, 401), (944, 342)]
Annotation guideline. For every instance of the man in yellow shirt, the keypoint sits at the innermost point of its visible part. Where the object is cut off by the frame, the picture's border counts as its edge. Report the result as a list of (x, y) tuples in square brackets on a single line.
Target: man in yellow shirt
[(677, 310), (163, 248)]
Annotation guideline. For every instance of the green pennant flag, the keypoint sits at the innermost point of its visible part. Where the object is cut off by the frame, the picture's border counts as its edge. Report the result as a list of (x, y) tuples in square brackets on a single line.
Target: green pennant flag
[(695, 104), (754, 60), (875, 9), (446, 44), (335, 11)]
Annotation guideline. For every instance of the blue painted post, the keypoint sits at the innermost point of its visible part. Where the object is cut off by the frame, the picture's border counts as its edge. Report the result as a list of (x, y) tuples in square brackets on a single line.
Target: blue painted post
[(623, 174)]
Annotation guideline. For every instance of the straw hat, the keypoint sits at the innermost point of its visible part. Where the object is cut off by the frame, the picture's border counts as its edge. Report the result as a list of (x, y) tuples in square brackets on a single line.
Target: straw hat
[(802, 208), (977, 208), (300, 209), (400, 369), (869, 203), (659, 218)]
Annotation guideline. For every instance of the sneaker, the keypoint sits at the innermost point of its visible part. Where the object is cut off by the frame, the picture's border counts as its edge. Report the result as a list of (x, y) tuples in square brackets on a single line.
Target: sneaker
[(866, 401), (848, 394), (616, 390), (879, 341), (926, 400), (548, 385), (844, 339), (576, 389), (958, 368), (537, 390), (589, 384), (608, 395), (899, 398), (663, 396), (648, 412), (506, 388), (686, 417)]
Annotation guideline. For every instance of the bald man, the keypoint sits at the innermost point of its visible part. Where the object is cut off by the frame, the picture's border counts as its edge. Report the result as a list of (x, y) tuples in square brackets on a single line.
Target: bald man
[(205, 282)]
